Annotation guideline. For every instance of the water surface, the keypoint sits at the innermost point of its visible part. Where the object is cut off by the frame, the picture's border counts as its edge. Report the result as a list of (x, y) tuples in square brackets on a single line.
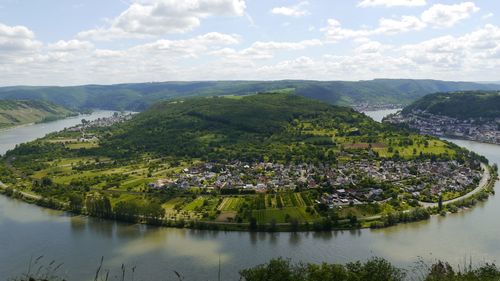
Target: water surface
[(79, 242), (378, 115), (10, 137)]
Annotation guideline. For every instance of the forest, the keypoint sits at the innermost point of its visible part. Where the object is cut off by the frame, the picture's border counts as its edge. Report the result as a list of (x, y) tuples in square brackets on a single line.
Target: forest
[(140, 96), (460, 105)]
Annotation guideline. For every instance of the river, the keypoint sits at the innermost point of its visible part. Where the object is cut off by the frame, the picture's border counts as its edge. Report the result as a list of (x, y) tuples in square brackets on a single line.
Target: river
[(10, 137), (79, 242)]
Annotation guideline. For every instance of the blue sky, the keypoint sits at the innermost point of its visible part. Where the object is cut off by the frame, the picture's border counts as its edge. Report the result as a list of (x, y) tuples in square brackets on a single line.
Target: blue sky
[(66, 42)]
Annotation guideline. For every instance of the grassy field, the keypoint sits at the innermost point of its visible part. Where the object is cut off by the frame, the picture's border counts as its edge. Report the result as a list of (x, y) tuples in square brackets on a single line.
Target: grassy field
[(280, 215), (231, 204), (194, 205)]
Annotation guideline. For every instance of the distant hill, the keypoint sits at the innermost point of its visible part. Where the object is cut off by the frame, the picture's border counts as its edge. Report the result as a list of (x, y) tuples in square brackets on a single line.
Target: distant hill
[(19, 112), (267, 127), (460, 105), (140, 96), (247, 128)]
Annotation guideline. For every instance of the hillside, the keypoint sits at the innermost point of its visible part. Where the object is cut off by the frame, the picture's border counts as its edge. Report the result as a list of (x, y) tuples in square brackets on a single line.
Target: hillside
[(140, 96), (460, 105), (256, 160), (463, 115), (19, 112), (252, 127)]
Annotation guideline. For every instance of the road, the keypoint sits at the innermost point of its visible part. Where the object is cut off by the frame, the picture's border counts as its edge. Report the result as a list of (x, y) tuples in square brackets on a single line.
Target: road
[(25, 194), (482, 184)]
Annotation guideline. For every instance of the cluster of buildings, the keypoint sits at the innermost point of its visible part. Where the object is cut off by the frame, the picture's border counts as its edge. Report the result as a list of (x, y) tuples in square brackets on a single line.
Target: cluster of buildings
[(101, 122), (416, 178), (352, 182), (483, 130), (98, 123), (362, 107)]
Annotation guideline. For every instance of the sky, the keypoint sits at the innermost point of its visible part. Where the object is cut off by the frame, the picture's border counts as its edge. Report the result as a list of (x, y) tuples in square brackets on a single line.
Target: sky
[(74, 42)]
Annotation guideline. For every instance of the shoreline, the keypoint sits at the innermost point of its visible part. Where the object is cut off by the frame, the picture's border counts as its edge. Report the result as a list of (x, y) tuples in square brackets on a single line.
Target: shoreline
[(17, 126), (465, 139), (371, 222), (43, 121), (485, 179)]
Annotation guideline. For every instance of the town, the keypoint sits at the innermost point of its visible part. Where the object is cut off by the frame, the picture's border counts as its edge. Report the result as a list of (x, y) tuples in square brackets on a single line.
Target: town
[(101, 122), (343, 183), (362, 107), (483, 130)]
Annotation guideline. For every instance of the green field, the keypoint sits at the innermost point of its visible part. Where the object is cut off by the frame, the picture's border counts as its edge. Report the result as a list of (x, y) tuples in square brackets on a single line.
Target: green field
[(231, 204), (280, 215), (195, 204)]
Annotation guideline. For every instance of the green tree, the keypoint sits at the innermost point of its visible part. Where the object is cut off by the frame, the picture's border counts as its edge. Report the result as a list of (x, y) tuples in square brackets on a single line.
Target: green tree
[(76, 203)]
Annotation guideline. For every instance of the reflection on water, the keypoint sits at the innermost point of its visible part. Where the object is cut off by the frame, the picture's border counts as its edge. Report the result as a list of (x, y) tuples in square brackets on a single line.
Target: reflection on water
[(179, 242), (79, 242), (19, 213)]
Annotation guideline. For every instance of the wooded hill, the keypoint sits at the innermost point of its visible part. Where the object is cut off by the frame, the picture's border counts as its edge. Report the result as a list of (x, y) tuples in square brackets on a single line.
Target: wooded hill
[(273, 125), (460, 105), (140, 96), (19, 112), (262, 127)]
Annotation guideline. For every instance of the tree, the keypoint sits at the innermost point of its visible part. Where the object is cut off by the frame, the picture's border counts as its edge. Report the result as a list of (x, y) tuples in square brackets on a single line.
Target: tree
[(353, 220), (75, 203), (153, 212), (46, 181), (253, 223), (272, 225), (294, 224), (440, 202), (127, 211), (276, 270), (375, 269), (98, 206)]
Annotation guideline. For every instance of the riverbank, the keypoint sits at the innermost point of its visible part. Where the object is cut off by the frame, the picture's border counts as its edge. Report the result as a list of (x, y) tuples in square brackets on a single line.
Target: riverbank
[(474, 129), (485, 180), (13, 136), (480, 193)]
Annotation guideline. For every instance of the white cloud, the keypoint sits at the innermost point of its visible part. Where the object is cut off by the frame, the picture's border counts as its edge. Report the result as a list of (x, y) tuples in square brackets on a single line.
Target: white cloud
[(471, 56), (405, 24), (17, 39), (70, 46), (441, 52), (297, 10), (440, 15), (265, 50), (334, 32), (392, 3), (477, 51), (192, 47), (487, 16), (159, 17), (371, 47), (437, 16)]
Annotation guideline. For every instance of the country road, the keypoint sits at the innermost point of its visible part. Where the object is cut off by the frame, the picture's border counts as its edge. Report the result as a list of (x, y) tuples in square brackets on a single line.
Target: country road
[(484, 181), (25, 194)]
